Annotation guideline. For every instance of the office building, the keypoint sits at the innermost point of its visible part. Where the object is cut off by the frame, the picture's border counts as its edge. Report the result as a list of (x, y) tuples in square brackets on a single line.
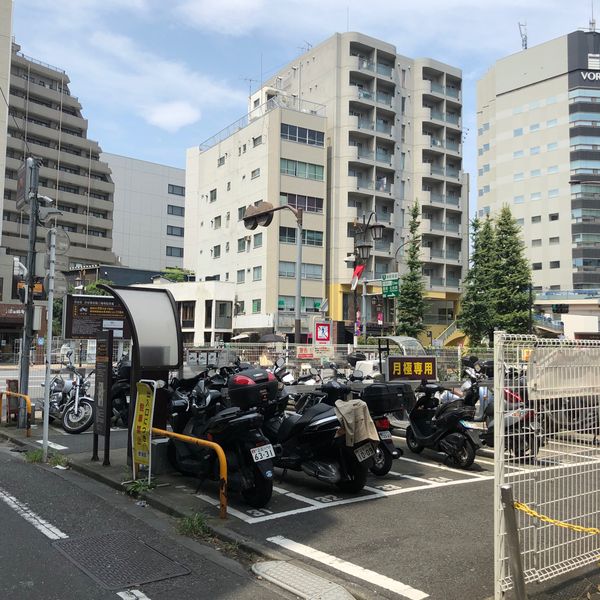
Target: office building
[(148, 213), (386, 130), (538, 118)]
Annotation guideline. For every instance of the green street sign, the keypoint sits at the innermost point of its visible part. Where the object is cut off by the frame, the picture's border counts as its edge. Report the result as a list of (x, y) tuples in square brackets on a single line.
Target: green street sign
[(390, 288)]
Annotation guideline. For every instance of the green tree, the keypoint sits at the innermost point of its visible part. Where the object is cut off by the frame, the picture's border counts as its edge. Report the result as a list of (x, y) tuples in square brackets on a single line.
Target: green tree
[(477, 313), (411, 304), (92, 288), (57, 315), (511, 276), (176, 274)]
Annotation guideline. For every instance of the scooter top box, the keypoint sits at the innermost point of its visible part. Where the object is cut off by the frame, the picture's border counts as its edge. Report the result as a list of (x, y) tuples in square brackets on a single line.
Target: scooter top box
[(388, 397), (252, 387)]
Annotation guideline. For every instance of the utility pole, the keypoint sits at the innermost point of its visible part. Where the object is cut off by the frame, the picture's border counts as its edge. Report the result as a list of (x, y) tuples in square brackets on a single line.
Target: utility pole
[(27, 189)]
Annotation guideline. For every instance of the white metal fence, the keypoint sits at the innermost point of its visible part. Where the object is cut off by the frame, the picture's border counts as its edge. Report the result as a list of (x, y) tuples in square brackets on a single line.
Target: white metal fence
[(560, 481)]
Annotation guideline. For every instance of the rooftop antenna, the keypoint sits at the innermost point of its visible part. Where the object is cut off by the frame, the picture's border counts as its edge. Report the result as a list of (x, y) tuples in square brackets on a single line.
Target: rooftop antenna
[(250, 82), (306, 47), (592, 20), (523, 32)]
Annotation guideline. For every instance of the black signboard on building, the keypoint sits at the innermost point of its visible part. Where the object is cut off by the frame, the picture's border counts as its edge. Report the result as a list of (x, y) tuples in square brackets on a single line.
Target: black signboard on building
[(104, 350)]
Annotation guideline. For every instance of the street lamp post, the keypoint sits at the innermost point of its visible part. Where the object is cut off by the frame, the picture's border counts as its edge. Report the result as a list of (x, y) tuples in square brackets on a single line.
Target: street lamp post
[(362, 252), (262, 214)]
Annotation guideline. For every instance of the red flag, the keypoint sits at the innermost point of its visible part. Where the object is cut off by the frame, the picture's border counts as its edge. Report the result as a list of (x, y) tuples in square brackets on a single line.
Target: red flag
[(358, 271)]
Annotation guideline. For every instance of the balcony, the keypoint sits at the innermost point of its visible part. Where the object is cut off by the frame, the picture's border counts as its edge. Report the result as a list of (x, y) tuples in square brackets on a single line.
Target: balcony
[(453, 172), (452, 146), (453, 282), (384, 70), (363, 153), (364, 64), (452, 255), (453, 200), (361, 183), (437, 225), (365, 124), (384, 217), (363, 94), (383, 128), (383, 98), (223, 323), (384, 157), (383, 186)]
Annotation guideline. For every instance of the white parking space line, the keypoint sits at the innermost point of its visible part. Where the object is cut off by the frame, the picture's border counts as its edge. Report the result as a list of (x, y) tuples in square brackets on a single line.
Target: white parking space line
[(132, 595), (24, 511), (442, 467), (405, 476), (350, 568), (53, 445)]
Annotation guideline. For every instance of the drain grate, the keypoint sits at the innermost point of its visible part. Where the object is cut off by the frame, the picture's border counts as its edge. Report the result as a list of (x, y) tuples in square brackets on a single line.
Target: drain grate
[(119, 560)]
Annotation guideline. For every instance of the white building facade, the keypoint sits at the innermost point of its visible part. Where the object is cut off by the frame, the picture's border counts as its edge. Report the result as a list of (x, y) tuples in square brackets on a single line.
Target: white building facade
[(149, 209)]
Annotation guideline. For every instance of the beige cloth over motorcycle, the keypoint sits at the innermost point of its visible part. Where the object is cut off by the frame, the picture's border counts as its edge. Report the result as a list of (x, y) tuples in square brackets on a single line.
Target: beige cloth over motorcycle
[(356, 421)]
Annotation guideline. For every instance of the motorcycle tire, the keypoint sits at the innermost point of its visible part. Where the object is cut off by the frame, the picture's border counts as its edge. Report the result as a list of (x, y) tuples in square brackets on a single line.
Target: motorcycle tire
[(524, 444), (123, 410), (411, 441), (260, 493), (466, 456), (80, 422), (357, 475), (383, 462)]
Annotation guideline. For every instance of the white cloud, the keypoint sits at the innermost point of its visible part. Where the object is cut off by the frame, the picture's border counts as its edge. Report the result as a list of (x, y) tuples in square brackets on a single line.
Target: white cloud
[(230, 17), (171, 116)]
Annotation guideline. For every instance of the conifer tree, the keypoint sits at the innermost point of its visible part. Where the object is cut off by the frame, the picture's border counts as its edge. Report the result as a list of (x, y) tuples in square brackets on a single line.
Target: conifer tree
[(411, 303)]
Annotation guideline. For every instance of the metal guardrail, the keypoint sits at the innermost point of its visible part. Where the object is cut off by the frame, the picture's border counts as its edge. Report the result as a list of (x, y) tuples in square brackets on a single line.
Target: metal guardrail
[(8, 395), (220, 455)]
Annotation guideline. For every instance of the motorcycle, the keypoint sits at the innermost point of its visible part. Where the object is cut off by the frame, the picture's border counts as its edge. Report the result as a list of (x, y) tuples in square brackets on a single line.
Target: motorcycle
[(312, 442), (197, 410), (440, 426), (120, 390), (69, 402)]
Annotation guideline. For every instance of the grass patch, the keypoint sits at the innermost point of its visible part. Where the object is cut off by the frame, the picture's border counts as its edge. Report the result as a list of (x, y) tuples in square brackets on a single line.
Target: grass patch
[(137, 487), (194, 526), (58, 460), (34, 456)]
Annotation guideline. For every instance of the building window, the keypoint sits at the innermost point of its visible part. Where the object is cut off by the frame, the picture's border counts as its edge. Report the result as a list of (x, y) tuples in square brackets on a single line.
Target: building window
[(536, 173), (240, 307), (295, 168), (553, 193), (552, 146), (286, 303), (257, 141), (255, 174), (534, 127), (306, 203), (518, 176), (517, 132), (241, 212), (216, 222), (554, 241), (518, 154), (534, 150), (536, 243), (173, 251), (553, 217), (212, 196), (221, 161), (536, 219), (535, 196), (256, 306), (242, 244), (173, 230), (312, 238), (258, 240), (312, 271), (256, 273), (177, 190), (536, 266), (310, 304), (178, 211), (302, 135), (520, 222), (555, 264), (241, 276), (287, 269), (552, 169), (216, 251), (287, 235), (552, 123), (519, 199)]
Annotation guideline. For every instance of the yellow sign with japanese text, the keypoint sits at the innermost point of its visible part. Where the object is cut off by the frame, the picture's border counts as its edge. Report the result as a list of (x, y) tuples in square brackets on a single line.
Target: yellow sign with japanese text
[(142, 424), (412, 367)]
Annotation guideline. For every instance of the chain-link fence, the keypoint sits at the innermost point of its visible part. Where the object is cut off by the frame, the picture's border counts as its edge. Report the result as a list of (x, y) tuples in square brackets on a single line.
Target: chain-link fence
[(547, 416)]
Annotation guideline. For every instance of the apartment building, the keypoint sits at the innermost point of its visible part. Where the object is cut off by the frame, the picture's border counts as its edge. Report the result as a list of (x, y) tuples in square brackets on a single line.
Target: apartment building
[(538, 117), (277, 154), (45, 121), (148, 213), (394, 135)]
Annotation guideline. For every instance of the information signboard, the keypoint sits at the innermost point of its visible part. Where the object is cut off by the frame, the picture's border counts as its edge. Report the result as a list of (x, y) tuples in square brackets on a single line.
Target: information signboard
[(390, 285), (86, 316), (142, 425), (103, 382), (412, 368)]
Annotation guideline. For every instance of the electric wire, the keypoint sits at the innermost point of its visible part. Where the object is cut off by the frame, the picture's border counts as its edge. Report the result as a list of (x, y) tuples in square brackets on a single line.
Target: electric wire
[(15, 121)]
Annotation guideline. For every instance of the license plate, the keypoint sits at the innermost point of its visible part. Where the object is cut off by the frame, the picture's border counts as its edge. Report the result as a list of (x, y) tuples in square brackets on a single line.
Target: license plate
[(385, 435), (262, 453), (364, 452)]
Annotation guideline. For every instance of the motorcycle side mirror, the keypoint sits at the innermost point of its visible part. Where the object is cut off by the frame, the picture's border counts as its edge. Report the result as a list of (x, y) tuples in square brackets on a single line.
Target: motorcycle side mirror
[(313, 371), (279, 362)]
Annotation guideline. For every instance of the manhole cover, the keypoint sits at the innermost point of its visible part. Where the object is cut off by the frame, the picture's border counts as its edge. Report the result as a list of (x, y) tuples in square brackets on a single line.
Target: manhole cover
[(119, 560)]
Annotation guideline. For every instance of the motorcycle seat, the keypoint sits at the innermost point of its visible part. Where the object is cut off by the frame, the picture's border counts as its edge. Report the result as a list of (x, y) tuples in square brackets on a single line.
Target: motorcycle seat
[(295, 423), (223, 415)]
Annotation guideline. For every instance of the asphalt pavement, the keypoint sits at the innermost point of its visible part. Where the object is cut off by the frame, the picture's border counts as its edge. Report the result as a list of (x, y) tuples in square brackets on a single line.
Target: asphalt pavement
[(45, 514)]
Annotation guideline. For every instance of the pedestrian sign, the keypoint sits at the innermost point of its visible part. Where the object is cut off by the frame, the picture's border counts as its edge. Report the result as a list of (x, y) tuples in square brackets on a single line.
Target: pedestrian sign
[(322, 332), (390, 285)]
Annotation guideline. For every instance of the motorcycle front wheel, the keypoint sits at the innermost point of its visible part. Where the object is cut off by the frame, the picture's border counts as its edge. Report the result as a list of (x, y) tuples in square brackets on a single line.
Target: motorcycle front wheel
[(382, 462), (78, 421), (465, 457), (411, 441)]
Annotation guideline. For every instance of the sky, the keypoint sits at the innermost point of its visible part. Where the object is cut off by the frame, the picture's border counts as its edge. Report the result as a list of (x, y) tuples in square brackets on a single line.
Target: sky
[(156, 77)]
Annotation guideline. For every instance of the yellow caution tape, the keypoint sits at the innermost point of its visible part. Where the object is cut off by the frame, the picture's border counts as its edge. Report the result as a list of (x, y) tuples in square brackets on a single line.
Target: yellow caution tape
[(532, 513)]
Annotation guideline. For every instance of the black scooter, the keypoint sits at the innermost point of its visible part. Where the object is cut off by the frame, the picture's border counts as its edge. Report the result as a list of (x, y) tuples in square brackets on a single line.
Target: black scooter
[(120, 390), (439, 427), (197, 410)]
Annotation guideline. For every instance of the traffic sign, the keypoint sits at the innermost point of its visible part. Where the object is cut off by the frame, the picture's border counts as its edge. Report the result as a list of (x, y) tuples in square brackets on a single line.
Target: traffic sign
[(322, 334), (390, 288), (389, 276)]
